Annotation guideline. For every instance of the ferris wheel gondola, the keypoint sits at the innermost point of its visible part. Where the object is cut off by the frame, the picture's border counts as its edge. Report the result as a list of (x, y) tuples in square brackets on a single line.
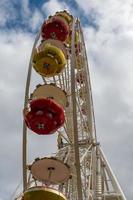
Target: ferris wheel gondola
[(50, 170), (42, 193), (44, 116), (51, 91)]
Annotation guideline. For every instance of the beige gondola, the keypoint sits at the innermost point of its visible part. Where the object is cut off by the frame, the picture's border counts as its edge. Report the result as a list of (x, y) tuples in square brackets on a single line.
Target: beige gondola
[(42, 193), (51, 91), (50, 170)]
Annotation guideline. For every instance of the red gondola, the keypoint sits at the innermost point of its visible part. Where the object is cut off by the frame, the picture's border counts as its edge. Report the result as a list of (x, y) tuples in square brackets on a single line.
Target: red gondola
[(55, 28), (44, 116)]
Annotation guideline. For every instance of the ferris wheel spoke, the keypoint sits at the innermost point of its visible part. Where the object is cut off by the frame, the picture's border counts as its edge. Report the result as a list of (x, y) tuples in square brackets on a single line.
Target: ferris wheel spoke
[(44, 80)]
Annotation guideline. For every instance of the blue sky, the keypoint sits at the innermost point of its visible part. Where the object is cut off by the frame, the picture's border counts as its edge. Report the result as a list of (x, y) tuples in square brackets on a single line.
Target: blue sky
[(108, 31), (19, 13)]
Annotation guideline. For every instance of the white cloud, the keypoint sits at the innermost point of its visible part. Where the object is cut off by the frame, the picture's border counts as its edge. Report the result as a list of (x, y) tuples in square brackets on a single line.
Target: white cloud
[(3, 17), (112, 15), (110, 56), (53, 6), (7, 12), (26, 9), (15, 47), (36, 20)]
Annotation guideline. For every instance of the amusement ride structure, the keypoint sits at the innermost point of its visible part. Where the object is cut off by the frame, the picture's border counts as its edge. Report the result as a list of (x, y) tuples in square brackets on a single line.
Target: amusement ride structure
[(63, 105)]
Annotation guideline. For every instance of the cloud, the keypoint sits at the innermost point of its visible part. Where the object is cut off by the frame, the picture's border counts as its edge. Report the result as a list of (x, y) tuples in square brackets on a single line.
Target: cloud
[(7, 12), (110, 56), (26, 8), (14, 49), (36, 20), (52, 6), (111, 15)]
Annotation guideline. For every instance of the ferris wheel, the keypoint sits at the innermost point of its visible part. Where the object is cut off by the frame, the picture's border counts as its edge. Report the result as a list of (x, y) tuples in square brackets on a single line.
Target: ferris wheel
[(63, 105)]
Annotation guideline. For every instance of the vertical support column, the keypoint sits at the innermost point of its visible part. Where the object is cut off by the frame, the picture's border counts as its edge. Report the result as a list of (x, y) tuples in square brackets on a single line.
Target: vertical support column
[(75, 129), (94, 171), (24, 145), (98, 175)]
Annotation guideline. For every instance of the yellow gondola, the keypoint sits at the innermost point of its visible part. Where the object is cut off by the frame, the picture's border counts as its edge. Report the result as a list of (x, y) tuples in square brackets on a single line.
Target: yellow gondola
[(68, 41), (42, 193), (50, 61)]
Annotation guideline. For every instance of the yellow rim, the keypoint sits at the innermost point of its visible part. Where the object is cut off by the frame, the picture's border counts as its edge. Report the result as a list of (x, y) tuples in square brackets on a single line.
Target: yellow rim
[(46, 66), (50, 61), (56, 53), (55, 43), (41, 193), (76, 38), (66, 16)]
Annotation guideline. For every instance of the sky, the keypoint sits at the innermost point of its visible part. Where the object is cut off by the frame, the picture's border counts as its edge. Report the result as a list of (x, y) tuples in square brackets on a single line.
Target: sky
[(108, 32)]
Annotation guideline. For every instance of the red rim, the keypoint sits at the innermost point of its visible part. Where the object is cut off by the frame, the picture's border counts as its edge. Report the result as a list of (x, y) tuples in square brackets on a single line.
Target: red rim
[(55, 29), (45, 116)]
